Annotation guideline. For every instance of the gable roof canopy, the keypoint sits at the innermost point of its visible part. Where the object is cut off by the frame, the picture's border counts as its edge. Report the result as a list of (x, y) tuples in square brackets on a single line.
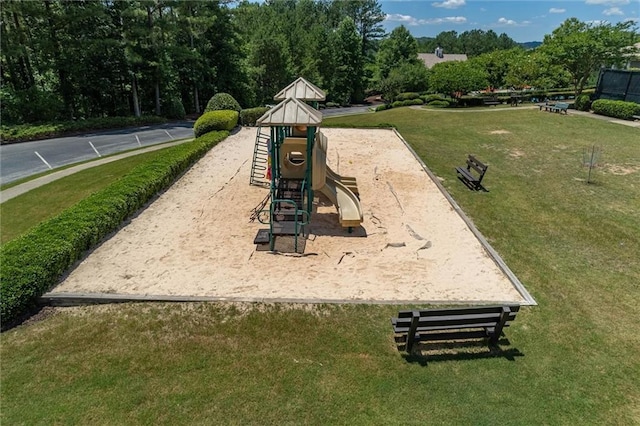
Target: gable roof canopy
[(301, 89), (291, 112)]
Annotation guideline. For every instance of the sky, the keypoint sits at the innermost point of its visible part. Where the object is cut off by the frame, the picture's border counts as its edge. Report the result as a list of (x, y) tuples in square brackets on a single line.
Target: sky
[(521, 20)]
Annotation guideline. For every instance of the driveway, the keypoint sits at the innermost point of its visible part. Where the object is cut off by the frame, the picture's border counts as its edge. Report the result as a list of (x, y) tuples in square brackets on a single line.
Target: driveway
[(21, 160)]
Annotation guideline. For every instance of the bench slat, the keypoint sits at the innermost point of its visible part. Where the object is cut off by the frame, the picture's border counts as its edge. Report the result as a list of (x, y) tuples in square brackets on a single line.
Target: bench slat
[(459, 311), (399, 329)]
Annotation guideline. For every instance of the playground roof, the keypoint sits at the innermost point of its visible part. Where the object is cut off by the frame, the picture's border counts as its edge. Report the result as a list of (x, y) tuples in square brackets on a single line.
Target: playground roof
[(301, 89), (291, 112)]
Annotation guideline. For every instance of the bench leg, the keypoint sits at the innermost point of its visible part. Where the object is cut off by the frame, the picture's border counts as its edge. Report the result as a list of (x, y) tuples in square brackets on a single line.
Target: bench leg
[(504, 317), (412, 331)]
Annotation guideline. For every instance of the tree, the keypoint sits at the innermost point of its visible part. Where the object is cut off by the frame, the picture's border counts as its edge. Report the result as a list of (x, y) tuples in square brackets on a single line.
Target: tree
[(367, 15), (497, 64), (535, 68), (349, 70), (582, 48), (400, 47), (457, 78)]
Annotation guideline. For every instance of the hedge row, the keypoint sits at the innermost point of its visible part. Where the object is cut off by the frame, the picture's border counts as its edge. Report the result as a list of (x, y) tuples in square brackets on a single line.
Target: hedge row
[(30, 132), (31, 264), (215, 120), (249, 116), (618, 109)]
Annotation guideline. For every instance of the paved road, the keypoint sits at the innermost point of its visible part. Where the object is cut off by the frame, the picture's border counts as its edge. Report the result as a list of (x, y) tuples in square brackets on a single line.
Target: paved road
[(25, 159)]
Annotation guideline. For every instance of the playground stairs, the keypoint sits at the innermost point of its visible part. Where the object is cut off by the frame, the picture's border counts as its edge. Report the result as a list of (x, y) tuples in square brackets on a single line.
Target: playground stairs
[(287, 227), (260, 161)]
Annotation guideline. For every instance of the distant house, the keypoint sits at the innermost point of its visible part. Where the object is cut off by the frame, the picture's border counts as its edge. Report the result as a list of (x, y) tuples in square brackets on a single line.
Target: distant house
[(430, 59), (634, 59)]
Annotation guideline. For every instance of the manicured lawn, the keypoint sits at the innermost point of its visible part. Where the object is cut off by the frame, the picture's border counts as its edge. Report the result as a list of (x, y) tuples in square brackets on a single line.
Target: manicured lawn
[(21, 213), (576, 356)]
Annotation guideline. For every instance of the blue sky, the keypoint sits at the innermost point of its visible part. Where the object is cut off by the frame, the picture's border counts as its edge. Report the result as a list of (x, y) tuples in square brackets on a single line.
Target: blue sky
[(521, 20)]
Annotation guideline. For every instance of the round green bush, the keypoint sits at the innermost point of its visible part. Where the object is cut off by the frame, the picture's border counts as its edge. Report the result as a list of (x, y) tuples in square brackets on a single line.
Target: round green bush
[(439, 104), (215, 120), (583, 103), (397, 104), (382, 107), (222, 101), (429, 98), (406, 96), (173, 109)]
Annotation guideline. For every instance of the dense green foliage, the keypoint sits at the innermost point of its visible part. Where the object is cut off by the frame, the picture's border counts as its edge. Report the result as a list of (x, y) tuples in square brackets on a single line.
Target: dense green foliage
[(618, 109), (215, 120), (249, 116), (457, 78), (32, 263), (582, 103), (68, 60), (222, 101), (28, 132), (472, 43), (582, 48)]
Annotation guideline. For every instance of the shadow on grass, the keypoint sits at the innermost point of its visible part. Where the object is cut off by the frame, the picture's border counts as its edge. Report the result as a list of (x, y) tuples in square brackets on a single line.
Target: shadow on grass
[(459, 351)]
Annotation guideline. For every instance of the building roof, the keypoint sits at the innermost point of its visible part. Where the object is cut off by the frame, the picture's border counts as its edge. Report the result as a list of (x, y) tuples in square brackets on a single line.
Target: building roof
[(301, 89), (291, 112), (430, 59)]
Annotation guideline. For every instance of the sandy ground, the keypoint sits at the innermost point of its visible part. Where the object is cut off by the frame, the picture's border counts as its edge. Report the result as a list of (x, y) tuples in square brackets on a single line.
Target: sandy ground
[(196, 239)]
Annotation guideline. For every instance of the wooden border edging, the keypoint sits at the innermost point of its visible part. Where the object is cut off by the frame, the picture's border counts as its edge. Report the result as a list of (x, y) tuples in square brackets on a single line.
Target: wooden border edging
[(79, 299), (530, 301)]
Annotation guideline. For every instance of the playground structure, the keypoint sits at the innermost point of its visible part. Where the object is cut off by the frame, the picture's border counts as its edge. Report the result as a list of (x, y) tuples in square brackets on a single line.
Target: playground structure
[(292, 160)]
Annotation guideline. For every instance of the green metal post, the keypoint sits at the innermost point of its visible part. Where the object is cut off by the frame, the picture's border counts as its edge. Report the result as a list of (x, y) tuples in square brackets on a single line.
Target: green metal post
[(311, 132)]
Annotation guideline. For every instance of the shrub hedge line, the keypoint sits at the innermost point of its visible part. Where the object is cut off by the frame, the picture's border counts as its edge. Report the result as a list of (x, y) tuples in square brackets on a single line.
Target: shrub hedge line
[(249, 116), (618, 109), (31, 264), (30, 132), (215, 120)]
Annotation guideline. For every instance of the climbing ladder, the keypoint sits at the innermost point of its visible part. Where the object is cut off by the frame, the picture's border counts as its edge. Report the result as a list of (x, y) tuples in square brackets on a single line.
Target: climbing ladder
[(260, 159)]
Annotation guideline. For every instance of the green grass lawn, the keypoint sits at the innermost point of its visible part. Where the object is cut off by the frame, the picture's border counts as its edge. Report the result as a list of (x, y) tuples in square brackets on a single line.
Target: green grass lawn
[(21, 213), (575, 246)]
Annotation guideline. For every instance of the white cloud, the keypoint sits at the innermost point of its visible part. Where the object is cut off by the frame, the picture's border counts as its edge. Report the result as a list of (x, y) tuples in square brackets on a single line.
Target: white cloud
[(556, 10), (413, 21), (449, 4), (613, 11), (505, 21), (608, 2)]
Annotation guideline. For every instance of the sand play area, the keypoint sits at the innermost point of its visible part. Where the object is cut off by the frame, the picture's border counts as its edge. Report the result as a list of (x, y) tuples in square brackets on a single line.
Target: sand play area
[(196, 238)]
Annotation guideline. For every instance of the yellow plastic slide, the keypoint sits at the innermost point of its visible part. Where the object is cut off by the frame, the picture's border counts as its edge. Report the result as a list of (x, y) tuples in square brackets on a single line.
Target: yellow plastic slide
[(332, 186)]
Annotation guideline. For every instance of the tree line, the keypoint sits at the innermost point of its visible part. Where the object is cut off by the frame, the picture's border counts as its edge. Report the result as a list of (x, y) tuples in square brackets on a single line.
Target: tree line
[(73, 59)]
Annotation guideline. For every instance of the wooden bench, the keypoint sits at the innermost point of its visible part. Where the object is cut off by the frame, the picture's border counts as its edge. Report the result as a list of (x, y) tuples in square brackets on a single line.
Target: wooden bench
[(466, 175), (452, 324), (559, 107), (491, 101), (635, 117)]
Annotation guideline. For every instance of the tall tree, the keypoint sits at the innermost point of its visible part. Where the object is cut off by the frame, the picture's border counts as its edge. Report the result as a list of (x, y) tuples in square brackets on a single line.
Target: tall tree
[(400, 47), (582, 48), (349, 70)]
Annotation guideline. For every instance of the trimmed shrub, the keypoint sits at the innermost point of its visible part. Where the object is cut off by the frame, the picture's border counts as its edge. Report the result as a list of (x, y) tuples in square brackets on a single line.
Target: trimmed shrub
[(215, 120), (439, 104), (618, 109), (34, 262), (30, 132), (407, 96), (222, 101), (383, 107), (583, 103), (429, 98), (249, 116), (173, 109)]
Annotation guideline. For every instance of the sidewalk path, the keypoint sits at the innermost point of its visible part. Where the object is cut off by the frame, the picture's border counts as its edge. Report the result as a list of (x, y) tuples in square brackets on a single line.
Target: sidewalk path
[(14, 191)]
